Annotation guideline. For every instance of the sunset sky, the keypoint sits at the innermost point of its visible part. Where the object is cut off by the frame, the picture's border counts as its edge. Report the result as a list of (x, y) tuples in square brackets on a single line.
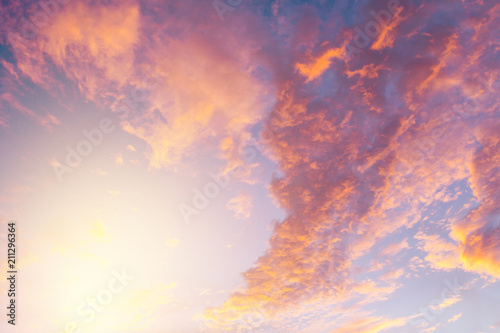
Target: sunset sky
[(182, 166)]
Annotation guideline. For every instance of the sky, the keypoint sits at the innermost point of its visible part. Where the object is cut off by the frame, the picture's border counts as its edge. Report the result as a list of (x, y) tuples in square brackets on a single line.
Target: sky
[(183, 166)]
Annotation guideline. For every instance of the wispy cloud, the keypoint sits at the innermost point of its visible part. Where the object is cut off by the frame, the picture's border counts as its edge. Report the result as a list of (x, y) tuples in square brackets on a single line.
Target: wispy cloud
[(241, 205)]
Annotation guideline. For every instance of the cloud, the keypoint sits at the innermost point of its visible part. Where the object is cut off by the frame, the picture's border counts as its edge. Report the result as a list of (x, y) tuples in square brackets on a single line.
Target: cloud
[(446, 303), (393, 274), (15, 96), (365, 147), (217, 99), (118, 159), (479, 231), (392, 249), (370, 325), (441, 254), (173, 90), (455, 318), (387, 35), (318, 66), (93, 45), (241, 205)]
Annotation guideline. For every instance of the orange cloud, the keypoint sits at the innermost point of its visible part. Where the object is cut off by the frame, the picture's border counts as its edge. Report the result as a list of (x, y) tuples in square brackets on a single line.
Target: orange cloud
[(392, 249), (93, 44), (455, 318), (216, 100), (318, 66), (387, 35), (370, 325), (441, 254), (241, 205), (478, 231), (365, 161)]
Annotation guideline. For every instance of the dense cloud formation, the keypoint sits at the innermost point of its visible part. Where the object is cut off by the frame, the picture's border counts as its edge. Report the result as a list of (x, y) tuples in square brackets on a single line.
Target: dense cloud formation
[(368, 140)]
